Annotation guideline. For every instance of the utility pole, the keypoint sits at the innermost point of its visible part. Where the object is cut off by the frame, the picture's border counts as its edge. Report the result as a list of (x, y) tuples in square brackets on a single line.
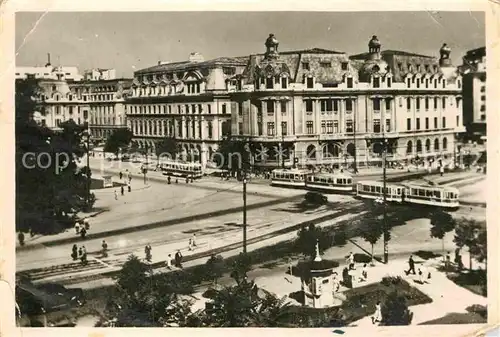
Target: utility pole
[(88, 168), (244, 212), (354, 141), (282, 148), (384, 194)]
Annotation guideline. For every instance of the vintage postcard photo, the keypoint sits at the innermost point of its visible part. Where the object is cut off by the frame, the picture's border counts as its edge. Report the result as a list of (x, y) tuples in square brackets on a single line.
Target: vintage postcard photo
[(250, 169)]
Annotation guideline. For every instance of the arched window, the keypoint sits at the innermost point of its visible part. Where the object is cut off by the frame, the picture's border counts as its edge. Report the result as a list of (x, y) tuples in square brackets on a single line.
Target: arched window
[(436, 144), (351, 149), (311, 152), (445, 144), (419, 146), (377, 148), (409, 147), (330, 150), (428, 145)]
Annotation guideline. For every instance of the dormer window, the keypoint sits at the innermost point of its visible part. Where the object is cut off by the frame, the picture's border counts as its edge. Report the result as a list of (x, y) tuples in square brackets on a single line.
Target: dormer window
[(284, 83), (418, 82), (418, 68), (459, 84), (305, 65), (349, 82), (400, 66), (310, 82), (389, 82), (344, 65), (426, 68), (408, 82), (376, 82), (269, 83)]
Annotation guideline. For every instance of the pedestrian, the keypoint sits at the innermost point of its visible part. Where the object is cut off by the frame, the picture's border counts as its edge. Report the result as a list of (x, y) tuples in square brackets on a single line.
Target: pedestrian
[(122, 190), (176, 180), (169, 180), (86, 224), (364, 272), (350, 259), (77, 227), (411, 265), (104, 246), (116, 195), (121, 175), (441, 170), (83, 232), (169, 262), (420, 276), (178, 259), (190, 244), (187, 180), (147, 250), (84, 257), (20, 237), (74, 253), (377, 317), (194, 240), (129, 187), (335, 282), (80, 252), (448, 260)]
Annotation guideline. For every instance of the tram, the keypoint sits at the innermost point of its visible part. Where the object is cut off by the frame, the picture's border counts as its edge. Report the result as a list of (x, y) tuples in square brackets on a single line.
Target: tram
[(181, 169), (289, 178), (330, 182), (374, 190), (439, 196)]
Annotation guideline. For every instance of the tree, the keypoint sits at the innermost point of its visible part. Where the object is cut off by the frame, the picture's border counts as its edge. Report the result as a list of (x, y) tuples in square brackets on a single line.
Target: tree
[(466, 234), (372, 234), (272, 312), (51, 186), (215, 268), (167, 147), (307, 237), (395, 310), (441, 223), (241, 267), (119, 140), (234, 155), (132, 277), (134, 147)]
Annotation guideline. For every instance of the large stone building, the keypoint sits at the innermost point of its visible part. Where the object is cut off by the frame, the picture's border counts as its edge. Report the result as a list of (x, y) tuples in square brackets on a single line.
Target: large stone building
[(323, 107), (96, 101), (474, 93), (186, 100), (105, 99)]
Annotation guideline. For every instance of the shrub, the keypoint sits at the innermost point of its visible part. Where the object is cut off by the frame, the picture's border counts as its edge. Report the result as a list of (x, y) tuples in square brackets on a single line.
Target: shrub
[(391, 280), (395, 310), (362, 258), (340, 237), (315, 198), (478, 309)]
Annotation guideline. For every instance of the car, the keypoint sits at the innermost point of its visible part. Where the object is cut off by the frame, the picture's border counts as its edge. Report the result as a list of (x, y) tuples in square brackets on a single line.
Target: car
[(315, 198), (48, 304)]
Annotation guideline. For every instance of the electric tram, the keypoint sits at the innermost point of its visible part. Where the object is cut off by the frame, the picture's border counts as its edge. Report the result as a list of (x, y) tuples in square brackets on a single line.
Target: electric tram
[(330, 182), (432, 195), (289, 178), (181, 169), (374, 190)]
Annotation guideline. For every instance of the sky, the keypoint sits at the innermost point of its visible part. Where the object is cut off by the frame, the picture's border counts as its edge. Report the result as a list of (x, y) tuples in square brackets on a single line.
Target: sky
[(129, 41)]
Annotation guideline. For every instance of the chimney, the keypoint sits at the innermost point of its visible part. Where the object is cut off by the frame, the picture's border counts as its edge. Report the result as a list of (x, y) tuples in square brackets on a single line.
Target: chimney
[(48, 60)]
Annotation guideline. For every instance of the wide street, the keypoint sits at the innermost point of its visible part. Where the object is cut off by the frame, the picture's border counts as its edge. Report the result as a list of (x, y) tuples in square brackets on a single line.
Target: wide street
[(166, 216)]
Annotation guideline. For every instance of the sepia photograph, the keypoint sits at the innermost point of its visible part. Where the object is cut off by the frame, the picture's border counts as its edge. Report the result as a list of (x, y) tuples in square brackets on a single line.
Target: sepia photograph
[(250, 169)]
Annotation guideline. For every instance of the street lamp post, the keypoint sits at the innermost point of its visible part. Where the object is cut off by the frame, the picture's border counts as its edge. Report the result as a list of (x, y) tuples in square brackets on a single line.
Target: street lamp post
[(88, 168), (244, 213), (145, 169), (384, 201), (282, 149)]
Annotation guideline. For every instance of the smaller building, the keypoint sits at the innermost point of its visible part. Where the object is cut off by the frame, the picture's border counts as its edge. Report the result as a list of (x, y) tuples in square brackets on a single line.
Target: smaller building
[(49, 72), (474, 95), (99, 74)]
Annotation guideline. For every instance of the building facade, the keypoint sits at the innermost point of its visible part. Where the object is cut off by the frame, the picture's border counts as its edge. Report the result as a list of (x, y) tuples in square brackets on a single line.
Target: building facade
[(49, 72), (474, 93), (322, 107), (105, 100), (188, 101)]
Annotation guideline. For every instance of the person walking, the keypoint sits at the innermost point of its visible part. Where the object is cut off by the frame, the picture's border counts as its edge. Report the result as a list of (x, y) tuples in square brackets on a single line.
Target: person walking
[(350, 260), (411, 265), (364, 273), (169, 262), (420, 276), (129, 187), (122, 190), (83, 232), (147, 251), (377, 317), (178, 259), (80, 252), (194, 240), (74, 252), (20, 237), (116, 195), (104, 246), (77, 227), (121, 175), (84, 256), (190, 244)]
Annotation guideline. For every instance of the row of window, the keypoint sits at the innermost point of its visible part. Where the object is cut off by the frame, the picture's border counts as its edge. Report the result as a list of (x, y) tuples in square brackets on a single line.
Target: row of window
[(426, 83), (167, 128), (329, 105), (427, 103), (179, 109), (171, 89), (409, 145), (417, 124)]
